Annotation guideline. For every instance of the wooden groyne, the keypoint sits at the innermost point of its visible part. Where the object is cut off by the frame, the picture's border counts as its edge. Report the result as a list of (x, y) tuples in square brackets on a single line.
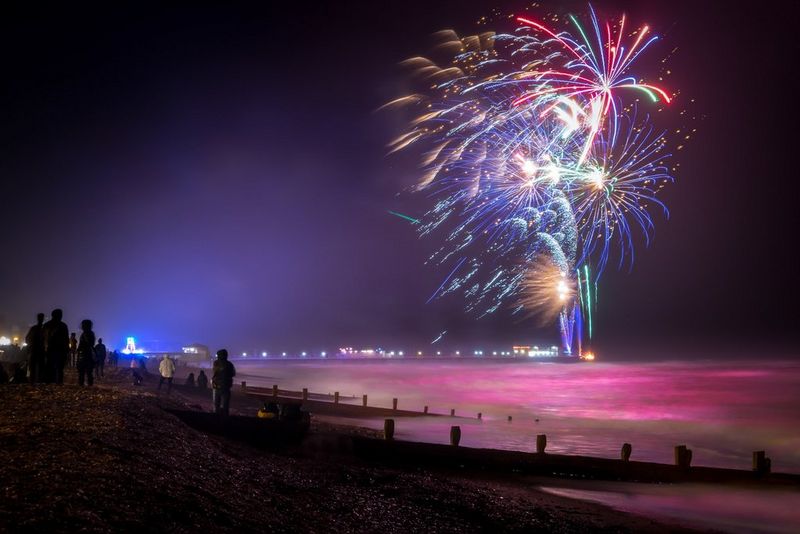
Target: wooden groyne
[(431, 455), (540, 463), (332, 404)]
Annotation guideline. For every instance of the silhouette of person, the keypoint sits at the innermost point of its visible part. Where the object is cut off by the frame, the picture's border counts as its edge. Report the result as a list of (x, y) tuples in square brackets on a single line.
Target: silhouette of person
[(18, 374), (143, 366), (202, 380), (73, 350), (56, 347), (190, 380), (86, 356), (35, 341), (167, 371), (100, 354), (137, 378), (222, 382)]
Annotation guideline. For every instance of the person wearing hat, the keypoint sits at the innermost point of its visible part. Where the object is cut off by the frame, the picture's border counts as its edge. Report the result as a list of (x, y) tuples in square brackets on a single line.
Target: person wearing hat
[(222, 382)]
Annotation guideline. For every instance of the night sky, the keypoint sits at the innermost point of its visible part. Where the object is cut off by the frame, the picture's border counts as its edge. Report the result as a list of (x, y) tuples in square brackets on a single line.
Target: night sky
[(218, 173)]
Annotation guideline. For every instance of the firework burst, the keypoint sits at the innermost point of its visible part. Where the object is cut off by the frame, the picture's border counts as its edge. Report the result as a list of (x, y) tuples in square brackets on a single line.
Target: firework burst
[(537, 162)]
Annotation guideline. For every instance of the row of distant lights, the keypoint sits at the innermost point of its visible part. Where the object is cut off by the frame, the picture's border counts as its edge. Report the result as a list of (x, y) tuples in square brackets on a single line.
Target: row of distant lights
[(324, 354), (6, 341), (264, 354)]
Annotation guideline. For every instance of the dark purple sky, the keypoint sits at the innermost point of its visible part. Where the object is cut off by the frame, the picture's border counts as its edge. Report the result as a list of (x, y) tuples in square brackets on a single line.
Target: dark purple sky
[(218, 174)]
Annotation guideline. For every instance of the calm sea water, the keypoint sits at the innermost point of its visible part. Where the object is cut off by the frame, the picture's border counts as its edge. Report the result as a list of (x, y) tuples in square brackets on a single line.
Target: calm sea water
[(721, 410)]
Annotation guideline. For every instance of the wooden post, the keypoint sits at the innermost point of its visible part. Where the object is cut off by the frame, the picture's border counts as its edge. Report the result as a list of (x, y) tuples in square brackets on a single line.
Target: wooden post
[(480, 415), (275, 390), (244, 385), (455, 435), (425, 410), (452, 412), (758, 460), (541, 443), (625, 453), (761, 464), (305, 394), (336, 397), (680, 451), (683, 456), (394, 404), (388, 429), (364, 400)]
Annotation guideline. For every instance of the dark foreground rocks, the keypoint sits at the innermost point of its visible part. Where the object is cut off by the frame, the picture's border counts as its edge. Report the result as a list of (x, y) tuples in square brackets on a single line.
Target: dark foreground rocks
[(108, 459)]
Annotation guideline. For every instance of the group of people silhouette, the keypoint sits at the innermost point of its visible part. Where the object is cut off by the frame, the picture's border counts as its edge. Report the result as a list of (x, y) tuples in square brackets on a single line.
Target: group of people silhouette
[(51, 348)]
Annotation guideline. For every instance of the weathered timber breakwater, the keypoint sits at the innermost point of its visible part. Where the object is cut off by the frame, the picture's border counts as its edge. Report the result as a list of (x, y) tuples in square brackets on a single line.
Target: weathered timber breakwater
[(539, 463)]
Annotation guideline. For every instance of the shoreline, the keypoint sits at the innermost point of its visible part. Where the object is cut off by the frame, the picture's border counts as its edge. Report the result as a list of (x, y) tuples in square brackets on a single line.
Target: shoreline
[(587, 410), (250, 398), (65, 445)]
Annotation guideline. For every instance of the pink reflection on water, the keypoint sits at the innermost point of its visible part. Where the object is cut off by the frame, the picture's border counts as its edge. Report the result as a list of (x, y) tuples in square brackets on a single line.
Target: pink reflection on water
[(722, 410), (730, 509)]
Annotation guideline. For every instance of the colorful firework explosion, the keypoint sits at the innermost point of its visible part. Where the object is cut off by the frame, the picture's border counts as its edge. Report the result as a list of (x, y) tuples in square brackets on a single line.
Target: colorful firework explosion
[(540, 166)]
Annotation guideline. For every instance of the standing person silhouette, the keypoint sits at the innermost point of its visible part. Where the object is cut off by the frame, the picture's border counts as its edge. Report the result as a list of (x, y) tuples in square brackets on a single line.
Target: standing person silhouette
[(73, 350), (222, 382), (86, 356), (202, 380), (35, 341), (56, 347), (100, 354), (167, 371), (137, 378)]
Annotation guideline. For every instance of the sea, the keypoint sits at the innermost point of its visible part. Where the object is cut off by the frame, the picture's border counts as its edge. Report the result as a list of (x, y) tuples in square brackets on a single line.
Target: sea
[(722, 409)]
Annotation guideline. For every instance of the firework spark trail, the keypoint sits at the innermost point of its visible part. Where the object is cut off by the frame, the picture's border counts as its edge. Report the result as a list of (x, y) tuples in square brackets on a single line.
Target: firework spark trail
[(439, 337), (535, 157), (406, 217), (433, 296)]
